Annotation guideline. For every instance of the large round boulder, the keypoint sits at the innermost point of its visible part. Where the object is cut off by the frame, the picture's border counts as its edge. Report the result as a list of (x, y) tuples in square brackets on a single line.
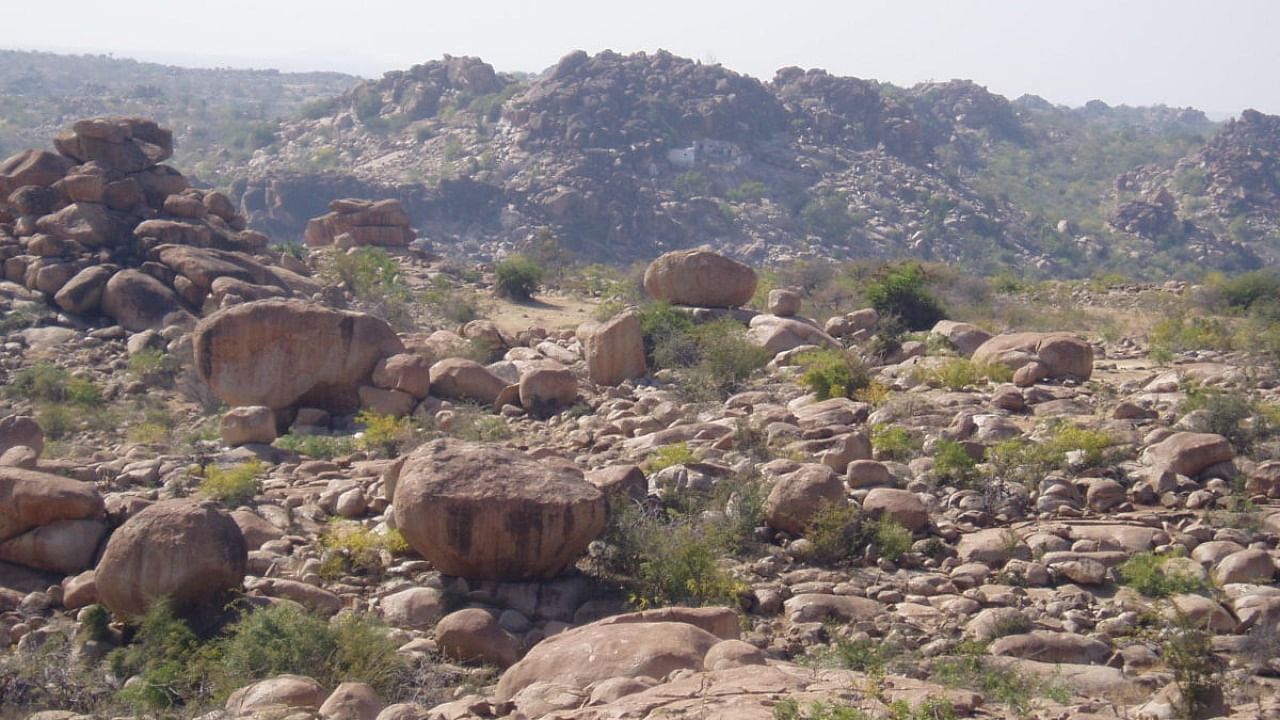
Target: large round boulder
[(191, 552), (1060, 355), (30, 499), (486, 512), (458, 378), (601, 651), (700, 278), (281, 353), (140, 302), (796, 498)]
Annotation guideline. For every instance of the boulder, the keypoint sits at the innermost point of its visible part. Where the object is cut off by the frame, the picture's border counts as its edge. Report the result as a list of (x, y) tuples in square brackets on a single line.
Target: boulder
[(620, 481), (547, 388), (88, 224), (285, 353), (463, 379), (124, 144), (1245, 566), (281, 691), (352, 701), (487, 512), (40, 168), (474, 635), (1061, 355), (418, 608), (966, 338), (902, 506), (30, 499), (779, 334), (612, 651), (784, 303), (65, 547), (386, 402), (700, 278), (21, 431), (249, 424), (1052, 647), (1189, 454), (192, 552), (140, 302), (614, 349), (797, 497), (733, 653), (82, 294), (365, 222), (821, 607), (405, 372)]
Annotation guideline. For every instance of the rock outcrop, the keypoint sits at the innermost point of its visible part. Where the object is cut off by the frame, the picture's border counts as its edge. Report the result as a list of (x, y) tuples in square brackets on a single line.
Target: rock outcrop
[(358, 223)]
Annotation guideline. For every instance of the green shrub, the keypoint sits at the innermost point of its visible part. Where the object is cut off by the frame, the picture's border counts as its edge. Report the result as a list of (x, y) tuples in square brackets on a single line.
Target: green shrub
[(952, 463), (971, 668), (833, 373), (352, 548), (320, 447), (1246, 291), (1178, 334), (860, 654), (717, 357), (518, 277), (162, 656), (893, 442), (1027, 461), (1188, 650), (385, 433), (46, 382), (1145, 572), (152, 366), (788, 709), (660, 323), (901, 291), (838, 533), (471, 422), (372, 276), (747, 191), (890, 539), (669, 456), (960, 373), (233, 486), (286, 639), (1230, 413)]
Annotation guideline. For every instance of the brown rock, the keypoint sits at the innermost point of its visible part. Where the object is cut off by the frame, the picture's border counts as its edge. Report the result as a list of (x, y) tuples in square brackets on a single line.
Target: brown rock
[(903, 506), (65, 547), (547, 388), (191, 552), (617, 650), (32, 167), (126, 144), (21, 431), (140, 302), (620, 481), (473, 635), (964, 337), (780, 334), (29, 499), (386, 402), (418, 608), (249, 424), (405, 372), (1052, 647), (614, 349), (1190, 453), (89, 224), (352, 701), (699, 278), (1062, 355), (459, 378), (797, 497), (82, 294), (491, 513), (784, 303), (282, 691), (282, 353)]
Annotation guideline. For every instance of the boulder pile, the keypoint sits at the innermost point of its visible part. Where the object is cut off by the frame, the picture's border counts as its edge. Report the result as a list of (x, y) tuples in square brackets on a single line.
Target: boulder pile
[(102, 227), (356, 223)]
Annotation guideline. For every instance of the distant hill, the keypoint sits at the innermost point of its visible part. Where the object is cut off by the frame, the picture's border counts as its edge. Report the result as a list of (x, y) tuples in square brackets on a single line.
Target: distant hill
[(216, 114), (617, 158)]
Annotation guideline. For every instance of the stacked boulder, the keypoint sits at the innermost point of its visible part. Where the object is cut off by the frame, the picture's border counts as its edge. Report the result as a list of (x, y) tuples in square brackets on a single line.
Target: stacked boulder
[(1036, 356), (49, 523), (101, 227), (358, 223)]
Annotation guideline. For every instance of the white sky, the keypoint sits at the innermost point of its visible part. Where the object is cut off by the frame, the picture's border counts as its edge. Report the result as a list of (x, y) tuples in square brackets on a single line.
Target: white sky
[(1220, 56)]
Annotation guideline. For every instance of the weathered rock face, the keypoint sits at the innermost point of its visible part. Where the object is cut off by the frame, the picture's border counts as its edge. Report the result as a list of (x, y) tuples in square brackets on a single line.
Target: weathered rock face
[(547, 388), (190, 551), (473, 635), (1060, 355), (779, 334), (1190, 453), (140, 302), (249, 424), (48, 522), (615, 650), (465, 380), (39, 168), (903, 506), (21, 430), (281, 353), (364, 222), (485, 512), (614, 349), (700, 278)]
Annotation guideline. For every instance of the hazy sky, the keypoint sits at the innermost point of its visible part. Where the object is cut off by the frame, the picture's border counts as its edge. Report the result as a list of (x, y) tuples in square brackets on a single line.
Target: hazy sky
[(1220, 56)]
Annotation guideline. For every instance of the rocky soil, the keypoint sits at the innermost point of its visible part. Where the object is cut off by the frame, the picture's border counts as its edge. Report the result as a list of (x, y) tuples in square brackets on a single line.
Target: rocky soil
[(1003, 522)]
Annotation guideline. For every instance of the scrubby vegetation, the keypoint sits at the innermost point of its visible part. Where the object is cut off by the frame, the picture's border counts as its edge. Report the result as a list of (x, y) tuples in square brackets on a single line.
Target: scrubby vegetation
[(833, 373), (232, 486), (518, 277)]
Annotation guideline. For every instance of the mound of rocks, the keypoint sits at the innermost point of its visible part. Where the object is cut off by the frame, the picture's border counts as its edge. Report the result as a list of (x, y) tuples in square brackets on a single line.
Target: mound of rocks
[(356, 223), (485, 512), (102, 227), (286, 353), (700, 278), (191, 552)]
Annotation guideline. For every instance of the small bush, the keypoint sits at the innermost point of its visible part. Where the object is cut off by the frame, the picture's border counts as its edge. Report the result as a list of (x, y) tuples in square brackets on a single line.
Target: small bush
[(1027, 461), (161, 656), (352, 548), (788, 709), (320, 447), (153, 366), (669, 456), (1187, 649), (1178, 334), (475, 424), (833, 373), (1230, 413), (385, 433), (372, 276), (952, 463), (46, 382), (717, 358), (893, 442), (890, 539), (233, 486), (971, 668), (838, 533), (659, 324), (518, 278), (960, 373), (1145, 573), (901, 291)]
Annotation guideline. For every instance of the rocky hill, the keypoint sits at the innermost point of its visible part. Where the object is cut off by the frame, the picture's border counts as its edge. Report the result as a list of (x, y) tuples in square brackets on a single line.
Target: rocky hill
[(618, 157)]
